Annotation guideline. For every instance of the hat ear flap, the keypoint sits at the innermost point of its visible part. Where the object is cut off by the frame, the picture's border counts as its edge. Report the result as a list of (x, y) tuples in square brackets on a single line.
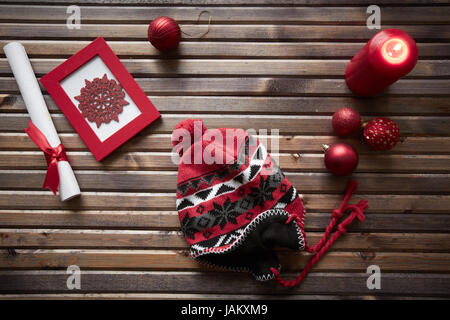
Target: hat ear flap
[(280, 234)]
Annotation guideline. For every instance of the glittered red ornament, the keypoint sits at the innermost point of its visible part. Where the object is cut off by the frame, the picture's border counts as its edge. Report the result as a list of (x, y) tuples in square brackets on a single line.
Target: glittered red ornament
[(164, 33), (381, 134), (346, 121), (340, 159)]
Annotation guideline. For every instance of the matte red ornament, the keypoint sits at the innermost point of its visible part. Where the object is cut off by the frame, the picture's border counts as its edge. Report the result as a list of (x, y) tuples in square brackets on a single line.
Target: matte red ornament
[(381, 134), (340, 159), (346, 121), (101, 100), (164, 33)]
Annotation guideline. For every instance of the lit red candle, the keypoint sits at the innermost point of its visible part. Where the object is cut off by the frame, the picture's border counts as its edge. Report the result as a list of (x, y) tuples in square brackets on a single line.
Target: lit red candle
[(388, 56)]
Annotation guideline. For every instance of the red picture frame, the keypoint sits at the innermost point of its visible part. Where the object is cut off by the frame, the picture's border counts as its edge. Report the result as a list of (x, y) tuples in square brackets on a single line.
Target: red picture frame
[(52, 83)]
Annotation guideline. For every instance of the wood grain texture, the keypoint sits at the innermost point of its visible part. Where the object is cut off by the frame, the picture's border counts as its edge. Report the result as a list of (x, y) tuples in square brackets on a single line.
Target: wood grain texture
[(143, 239), (304, 15), (423, 33), (168, 220), (234, 2), (161, 181), (44, 200), (180, 260), (223, 49), (296, 145), (381, 106), (224, 67), (186, 282), (286, 125), (277, 86), (135, 161), (198, 296)]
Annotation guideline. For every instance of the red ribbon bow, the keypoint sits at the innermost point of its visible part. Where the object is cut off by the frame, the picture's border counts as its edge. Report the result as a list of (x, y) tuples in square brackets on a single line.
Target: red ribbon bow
[(52, 155)]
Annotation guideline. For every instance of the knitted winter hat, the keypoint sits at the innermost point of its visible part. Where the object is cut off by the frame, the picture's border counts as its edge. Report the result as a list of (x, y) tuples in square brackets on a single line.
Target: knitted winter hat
[(235, 203)]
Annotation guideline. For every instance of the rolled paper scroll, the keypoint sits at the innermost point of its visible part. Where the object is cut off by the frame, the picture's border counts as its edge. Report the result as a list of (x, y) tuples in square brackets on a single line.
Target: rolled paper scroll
[(37, 109)]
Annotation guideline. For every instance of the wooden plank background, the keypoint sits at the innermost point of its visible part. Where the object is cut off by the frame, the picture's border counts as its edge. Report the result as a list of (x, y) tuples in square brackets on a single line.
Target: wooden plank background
[(264, 64)]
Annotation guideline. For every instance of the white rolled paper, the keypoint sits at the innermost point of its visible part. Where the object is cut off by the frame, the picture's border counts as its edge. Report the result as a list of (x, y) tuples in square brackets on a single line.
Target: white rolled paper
[(34, 101)]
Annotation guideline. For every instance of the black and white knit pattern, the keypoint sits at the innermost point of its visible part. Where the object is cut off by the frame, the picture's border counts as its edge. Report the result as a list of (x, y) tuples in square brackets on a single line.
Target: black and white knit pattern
[(229, 211), (236, 237)]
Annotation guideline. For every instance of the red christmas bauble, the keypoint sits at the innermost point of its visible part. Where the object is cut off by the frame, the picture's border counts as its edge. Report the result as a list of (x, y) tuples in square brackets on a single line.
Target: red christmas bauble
[(346, 121), (340, 159), (164, 33), (381, 134)]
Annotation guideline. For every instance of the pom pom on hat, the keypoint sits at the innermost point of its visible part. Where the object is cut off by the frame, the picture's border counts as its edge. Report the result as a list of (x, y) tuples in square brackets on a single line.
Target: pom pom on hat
[(192, 128)]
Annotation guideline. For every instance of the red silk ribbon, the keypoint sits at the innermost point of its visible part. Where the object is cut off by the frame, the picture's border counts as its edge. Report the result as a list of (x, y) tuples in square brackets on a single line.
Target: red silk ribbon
[(52, 155)]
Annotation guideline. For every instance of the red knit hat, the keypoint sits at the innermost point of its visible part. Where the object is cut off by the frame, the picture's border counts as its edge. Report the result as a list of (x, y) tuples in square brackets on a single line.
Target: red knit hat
[(235, 203)]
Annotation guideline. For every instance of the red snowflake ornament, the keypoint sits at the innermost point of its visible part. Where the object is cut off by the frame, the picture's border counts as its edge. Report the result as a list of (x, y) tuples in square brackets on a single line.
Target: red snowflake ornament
[(381, 134), (101, 100)]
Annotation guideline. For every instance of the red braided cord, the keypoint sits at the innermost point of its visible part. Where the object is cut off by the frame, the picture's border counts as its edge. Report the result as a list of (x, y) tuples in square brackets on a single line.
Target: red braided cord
[(356, 212)]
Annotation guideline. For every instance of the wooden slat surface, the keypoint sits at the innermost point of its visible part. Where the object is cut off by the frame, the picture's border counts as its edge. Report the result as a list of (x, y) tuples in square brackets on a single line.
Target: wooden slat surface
[(304, 15), (168, 220), (161, 181), (287, 125), (206, 49), (45, 281), (237, 2), (162, 161), (292, 144), (38, 200), (268, 64), (260, 67), (385, 105), (180, 261), (263, 32), (197, 296), (54, 238)]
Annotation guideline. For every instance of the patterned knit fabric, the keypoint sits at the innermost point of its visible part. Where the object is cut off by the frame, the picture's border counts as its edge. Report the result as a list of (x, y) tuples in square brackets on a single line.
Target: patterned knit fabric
[(232, 213)]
